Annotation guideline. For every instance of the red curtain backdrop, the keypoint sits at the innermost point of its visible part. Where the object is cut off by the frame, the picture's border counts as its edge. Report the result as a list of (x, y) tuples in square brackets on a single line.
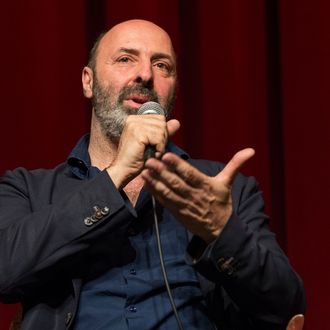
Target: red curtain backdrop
[(252, 73)]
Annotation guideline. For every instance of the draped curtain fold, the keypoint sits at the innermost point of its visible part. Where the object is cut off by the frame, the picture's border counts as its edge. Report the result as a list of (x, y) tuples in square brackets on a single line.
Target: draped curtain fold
[(251, 73)]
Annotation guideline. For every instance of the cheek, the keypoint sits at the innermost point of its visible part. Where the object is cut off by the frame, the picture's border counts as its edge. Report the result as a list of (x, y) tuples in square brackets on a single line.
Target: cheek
[(110, 88), (164, 88), (112, 80)]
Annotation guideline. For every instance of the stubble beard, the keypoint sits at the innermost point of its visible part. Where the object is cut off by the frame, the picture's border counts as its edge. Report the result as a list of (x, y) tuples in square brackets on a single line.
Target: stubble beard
[(111, 112)]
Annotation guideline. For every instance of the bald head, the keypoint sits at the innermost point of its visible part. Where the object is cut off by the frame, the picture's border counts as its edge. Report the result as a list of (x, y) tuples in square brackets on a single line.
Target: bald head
[(139, 27), (131, 64)]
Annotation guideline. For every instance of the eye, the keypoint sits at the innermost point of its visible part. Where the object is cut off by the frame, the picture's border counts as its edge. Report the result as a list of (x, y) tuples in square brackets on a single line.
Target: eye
[(163, 66), (124, 59)]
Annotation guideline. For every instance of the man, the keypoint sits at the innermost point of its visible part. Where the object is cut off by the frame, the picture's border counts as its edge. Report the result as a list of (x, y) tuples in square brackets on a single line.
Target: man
[(77, 243)]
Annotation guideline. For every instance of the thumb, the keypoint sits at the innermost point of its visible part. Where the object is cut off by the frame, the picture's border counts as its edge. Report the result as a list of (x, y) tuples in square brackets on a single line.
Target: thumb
[(231, 169), (173, 126)]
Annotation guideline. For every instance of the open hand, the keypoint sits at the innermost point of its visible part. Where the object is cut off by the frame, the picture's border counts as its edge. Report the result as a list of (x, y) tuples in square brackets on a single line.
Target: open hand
[(202, 203)]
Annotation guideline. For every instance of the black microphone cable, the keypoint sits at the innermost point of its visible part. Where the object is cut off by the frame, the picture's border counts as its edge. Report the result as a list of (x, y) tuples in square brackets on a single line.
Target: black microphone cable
[(160, 251), (155, 108)]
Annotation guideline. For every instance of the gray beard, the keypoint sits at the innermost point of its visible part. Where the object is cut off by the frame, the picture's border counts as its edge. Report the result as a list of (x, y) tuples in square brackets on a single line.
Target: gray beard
[(112, 114), (112, 122)]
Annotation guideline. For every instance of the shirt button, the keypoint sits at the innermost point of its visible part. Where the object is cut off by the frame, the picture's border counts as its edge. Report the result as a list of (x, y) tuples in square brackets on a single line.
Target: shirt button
[(132, 309), (132, 271)]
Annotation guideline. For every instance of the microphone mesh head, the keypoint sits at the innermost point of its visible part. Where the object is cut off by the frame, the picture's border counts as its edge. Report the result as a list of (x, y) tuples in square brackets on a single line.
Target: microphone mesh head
[(152, 108)]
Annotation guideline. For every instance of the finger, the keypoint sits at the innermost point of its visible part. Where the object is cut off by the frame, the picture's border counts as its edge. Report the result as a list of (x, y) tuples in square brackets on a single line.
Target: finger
[(231, 169), (184, 170), (161, 192), (159, 171), (178, 205), (156, 137), (152, 130), (173, 126)]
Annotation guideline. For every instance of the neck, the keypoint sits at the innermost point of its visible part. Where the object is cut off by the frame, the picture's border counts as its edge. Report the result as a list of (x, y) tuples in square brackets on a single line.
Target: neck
[(102, 151)]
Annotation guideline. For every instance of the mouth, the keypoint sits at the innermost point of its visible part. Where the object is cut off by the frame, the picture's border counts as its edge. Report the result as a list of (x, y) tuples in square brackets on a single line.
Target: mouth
[(135, 101)]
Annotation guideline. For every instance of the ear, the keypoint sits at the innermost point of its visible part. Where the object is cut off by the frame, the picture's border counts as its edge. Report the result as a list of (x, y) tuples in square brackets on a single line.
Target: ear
[(87, 82)]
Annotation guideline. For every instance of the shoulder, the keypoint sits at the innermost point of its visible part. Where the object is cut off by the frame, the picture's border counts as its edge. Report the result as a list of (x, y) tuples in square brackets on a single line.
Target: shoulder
[(21, 173), (38, 187), (25, 179)]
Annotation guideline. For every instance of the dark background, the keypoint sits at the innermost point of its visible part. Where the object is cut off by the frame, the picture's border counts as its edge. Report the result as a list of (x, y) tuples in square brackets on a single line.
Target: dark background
[(252, 73)]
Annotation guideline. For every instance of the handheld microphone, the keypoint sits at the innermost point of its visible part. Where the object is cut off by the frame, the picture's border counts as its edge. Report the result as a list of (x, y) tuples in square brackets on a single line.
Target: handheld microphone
[(150, 108)]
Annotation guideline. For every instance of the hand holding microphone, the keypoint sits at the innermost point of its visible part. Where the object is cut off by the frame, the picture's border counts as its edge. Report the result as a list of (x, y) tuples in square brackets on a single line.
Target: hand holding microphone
[(142, 138), (154, 108), (150, 108)]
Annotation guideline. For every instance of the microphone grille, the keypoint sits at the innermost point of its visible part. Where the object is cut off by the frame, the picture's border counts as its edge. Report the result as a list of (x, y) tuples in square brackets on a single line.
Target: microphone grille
[(151, 108)]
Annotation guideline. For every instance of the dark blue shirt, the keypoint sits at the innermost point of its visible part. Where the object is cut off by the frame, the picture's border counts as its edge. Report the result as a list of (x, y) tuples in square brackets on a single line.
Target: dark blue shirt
[(130, 293)]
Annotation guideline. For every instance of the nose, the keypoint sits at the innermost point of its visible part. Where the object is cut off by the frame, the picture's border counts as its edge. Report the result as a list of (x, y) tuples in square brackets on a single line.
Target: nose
[(145, 74)]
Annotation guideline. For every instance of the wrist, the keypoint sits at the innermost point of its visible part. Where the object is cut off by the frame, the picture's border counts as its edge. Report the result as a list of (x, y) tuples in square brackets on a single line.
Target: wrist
[(117, 176)]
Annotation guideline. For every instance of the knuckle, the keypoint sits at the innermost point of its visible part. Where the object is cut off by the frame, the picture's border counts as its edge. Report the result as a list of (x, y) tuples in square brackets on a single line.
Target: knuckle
[(176, 184), (167, 194)]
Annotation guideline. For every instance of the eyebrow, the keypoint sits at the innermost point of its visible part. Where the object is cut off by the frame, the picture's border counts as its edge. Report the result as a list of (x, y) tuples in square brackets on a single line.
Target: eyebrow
[(132, 51)]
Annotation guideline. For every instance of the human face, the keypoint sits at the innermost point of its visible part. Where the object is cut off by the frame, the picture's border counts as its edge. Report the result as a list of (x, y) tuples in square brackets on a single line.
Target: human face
[(135, 64), (111, 112)]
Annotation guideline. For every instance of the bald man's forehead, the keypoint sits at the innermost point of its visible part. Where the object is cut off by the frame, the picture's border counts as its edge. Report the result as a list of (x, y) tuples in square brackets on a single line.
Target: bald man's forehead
[(138, 24), (140, 35)]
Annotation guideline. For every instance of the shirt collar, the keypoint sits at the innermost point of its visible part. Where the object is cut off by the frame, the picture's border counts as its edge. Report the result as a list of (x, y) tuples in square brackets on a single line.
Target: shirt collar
[(80, 163), (79, 160)]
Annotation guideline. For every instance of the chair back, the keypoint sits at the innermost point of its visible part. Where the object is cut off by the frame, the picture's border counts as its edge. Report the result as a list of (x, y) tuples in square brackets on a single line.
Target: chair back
[(16, 321), (296, 323)]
